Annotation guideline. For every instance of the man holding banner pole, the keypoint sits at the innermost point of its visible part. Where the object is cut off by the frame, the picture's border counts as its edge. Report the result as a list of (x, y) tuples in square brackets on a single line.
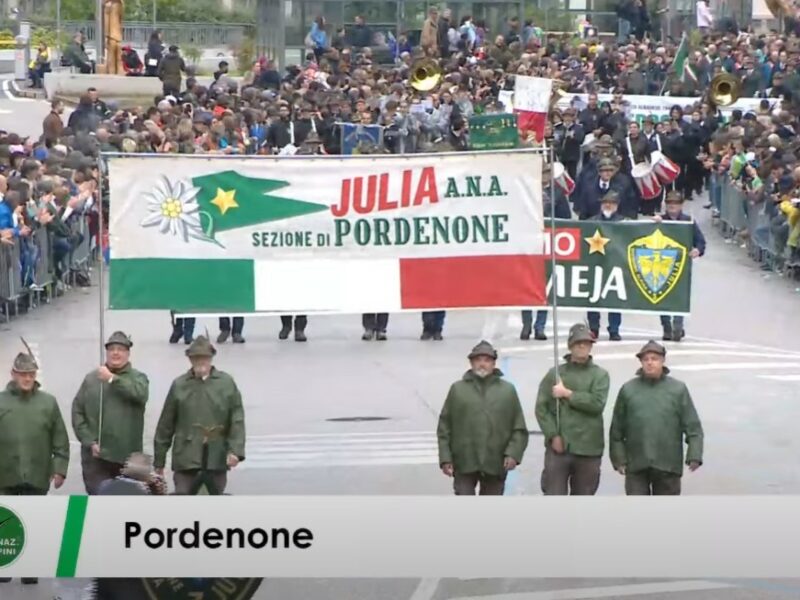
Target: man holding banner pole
[(574, 447)]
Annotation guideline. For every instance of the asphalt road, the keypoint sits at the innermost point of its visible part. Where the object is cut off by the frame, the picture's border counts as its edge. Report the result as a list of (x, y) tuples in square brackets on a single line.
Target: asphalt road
[(741, 360)]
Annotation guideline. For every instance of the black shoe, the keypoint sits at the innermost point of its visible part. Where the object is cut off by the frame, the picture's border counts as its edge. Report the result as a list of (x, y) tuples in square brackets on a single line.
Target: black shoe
[(175, 337), (678, 335), (237, 338), (284, 333), (188, 339), (223, 337), (615, 337), (525, 334), (437, 336), (426, 335), (30, 580), (380, 336), (667, 337), (368, 333), (539, 335), (300, 336), (5, 579)]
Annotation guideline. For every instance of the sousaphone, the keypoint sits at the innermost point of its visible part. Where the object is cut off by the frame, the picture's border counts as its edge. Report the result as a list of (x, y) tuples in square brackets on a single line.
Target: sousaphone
[(425, 74)]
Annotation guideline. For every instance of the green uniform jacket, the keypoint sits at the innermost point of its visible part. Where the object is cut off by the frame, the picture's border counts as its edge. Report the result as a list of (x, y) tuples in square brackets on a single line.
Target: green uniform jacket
[(481, 423), (580, 417), (34, 444), (124, 401), (191, 404), (651, 420)]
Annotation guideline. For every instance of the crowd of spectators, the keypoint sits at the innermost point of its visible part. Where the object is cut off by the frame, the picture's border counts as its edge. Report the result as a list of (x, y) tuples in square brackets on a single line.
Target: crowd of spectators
[(50, 182)]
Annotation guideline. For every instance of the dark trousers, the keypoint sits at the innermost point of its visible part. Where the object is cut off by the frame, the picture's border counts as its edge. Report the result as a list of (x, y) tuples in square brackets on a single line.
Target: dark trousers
[(570, 474), (22, 490), (652, 482), (184, 479), (433, 321), (300, 322), (541, 319), (651, 207), (614, 321), (238, 324), (185, 326), (375, 321), (170, 89), (572, 167), (464, 484), (672, 323), (96, 471)]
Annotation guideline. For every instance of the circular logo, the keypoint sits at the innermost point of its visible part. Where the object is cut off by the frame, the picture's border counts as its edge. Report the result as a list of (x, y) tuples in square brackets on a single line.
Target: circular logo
[(201, 589), (12, 536)]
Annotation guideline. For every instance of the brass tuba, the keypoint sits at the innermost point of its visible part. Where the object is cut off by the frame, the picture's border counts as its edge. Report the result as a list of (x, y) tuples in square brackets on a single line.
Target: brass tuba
[(724, 90), (425, 74)]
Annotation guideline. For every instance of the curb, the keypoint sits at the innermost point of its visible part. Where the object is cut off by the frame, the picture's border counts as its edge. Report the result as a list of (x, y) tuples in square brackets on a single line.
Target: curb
[(18, 92)]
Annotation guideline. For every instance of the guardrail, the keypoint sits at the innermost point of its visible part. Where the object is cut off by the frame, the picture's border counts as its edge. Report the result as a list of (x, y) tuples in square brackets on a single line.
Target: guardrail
[(35, 269), (759, 226), (201, 35)]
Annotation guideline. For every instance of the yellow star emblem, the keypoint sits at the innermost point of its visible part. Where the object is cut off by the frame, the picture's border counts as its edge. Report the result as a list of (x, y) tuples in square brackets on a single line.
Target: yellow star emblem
[(597, 243), (224, 200)]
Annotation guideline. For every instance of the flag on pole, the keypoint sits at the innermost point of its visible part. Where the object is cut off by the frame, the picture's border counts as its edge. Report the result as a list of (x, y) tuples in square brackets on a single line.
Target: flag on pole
[(680, 64), (532, 103)]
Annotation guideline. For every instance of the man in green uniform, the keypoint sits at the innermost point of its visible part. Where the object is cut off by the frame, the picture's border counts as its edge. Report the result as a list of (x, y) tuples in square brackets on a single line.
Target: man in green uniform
[(570, 415), (482, 432), (203, 404), (653, 415), (34, 446), (125, 392)]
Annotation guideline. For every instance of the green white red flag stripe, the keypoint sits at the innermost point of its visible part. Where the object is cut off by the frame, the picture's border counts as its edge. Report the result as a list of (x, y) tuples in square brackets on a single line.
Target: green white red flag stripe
[(330, 235)]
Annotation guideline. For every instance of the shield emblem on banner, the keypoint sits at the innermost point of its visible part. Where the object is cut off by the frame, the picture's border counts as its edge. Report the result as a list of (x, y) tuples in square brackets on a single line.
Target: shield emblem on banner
[(656, 264)]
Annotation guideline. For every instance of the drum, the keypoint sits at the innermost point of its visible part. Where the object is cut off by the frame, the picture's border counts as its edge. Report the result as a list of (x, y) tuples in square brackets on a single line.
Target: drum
[(562, 180), (666, 170), (646, 180)]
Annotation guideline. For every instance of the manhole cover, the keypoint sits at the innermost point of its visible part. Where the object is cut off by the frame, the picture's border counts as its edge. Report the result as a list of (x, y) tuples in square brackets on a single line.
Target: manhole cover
[(352, 419)]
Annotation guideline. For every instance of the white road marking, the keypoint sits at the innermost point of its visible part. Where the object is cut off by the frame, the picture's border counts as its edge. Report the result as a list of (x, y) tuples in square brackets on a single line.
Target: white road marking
[(735, 366), (425, 590), (613, 591), (781, 377), (548, 345), (10, 95), (341, 450)]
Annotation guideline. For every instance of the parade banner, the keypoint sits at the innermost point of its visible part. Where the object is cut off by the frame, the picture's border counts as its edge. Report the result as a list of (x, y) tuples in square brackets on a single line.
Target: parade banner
[(177, 537), (493, 132), (326, 234), (658, 107), (622, 266)]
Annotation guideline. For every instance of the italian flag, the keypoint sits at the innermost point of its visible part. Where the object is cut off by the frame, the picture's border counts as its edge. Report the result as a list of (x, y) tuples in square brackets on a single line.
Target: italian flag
[(227, 242), (531, 104)]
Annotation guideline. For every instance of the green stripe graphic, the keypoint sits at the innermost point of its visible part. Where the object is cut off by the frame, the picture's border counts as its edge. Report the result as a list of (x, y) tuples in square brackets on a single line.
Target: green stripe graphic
[(182, 285), (71, 540)]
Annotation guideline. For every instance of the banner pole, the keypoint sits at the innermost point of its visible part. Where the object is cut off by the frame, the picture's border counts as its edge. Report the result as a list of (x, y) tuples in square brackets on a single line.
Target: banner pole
[(101, 284), (553, 281)]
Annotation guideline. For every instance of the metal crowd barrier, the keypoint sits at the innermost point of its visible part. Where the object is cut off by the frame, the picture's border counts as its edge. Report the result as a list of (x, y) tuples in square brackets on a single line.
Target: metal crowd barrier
[(41, 281), (756, 223), (10, 278), (732, 215)]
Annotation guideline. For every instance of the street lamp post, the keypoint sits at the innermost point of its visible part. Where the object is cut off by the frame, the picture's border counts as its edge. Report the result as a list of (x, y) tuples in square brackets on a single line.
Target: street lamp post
[(99, 34)]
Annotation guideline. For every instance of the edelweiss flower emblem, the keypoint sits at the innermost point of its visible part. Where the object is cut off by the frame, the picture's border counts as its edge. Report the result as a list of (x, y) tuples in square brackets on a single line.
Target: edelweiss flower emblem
[(174, 210)]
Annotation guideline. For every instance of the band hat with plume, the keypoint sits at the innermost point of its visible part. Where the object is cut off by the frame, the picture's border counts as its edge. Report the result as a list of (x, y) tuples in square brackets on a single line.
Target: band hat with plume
[(25, 362), (201, 346)]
